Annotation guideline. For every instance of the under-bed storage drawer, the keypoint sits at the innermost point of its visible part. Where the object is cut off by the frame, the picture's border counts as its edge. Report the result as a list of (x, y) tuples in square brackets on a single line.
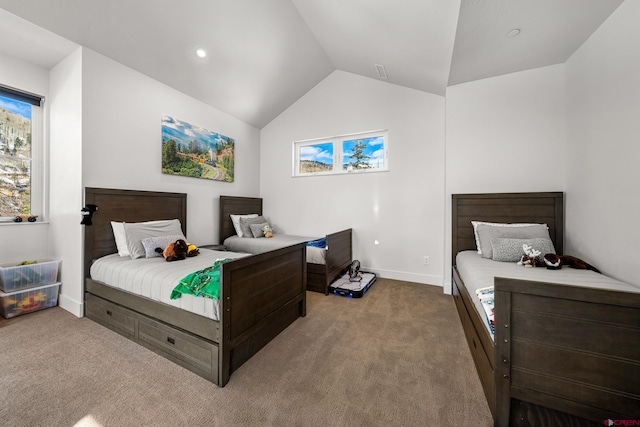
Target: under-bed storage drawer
[(191, 352), (111, 315)]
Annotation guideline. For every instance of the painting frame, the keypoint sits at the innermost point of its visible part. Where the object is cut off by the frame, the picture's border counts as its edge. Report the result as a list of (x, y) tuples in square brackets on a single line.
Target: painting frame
[(193, 151)]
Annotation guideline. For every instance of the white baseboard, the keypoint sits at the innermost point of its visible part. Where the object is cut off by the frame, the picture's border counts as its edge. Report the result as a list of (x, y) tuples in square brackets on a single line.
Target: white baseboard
[(447, 288), (405, 276), (72, 306)]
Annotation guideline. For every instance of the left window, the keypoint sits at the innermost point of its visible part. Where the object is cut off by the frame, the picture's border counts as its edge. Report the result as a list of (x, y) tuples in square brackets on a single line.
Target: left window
[(21, 154)]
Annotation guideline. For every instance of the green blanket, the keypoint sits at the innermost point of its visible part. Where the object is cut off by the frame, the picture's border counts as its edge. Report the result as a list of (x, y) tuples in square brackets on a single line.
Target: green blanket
[(203, 283)]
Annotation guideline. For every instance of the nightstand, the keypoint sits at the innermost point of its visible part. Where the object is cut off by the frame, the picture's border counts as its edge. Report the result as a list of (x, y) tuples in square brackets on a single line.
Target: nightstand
[(214, 247)]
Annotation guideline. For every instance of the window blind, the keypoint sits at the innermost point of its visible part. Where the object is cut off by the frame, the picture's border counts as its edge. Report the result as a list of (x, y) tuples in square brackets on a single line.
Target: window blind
[(22, 96)]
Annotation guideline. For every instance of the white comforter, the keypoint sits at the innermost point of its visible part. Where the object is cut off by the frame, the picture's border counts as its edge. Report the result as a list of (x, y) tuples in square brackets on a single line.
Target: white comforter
[(477, 272), (155, 278), (263, 244)]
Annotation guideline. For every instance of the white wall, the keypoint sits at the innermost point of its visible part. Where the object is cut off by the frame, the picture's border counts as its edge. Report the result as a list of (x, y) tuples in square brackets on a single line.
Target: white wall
[(402, 209), (505, 134), (30, 240), (603, 147), (65, 178), (121, 119)]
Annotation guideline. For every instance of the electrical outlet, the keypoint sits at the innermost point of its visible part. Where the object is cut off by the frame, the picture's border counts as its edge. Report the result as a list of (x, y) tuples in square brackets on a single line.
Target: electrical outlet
[(426, 260)]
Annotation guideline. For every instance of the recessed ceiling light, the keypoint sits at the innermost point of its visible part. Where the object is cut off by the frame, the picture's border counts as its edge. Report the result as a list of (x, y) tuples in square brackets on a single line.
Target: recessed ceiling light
[(514, 32), (201, 52)]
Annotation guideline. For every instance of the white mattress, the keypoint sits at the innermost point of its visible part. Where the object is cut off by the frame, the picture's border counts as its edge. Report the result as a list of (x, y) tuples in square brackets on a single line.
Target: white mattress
[(477, 272), (257, 246), (155, 278)]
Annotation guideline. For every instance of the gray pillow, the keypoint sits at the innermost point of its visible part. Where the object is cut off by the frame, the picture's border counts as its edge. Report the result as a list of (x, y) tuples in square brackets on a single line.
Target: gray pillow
[(137, 231), (488, 232), (511, 250), (235, 219), (151, 243), (245, 224), (256, 229)]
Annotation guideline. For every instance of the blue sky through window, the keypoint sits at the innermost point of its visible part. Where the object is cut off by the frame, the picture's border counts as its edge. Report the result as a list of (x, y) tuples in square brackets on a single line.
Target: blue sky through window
[(322, 153), (21, 108)]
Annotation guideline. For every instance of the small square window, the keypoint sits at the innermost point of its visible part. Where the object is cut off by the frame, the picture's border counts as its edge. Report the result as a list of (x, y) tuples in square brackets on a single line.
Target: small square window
[(316, 158), (363, 154)]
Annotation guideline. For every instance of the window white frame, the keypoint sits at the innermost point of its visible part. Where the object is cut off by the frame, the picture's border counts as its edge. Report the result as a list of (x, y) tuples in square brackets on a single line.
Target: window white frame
[(330, 157), (38, 173)]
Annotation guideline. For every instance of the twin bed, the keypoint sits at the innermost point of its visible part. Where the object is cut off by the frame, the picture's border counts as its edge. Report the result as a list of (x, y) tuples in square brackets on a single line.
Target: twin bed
[(260, 295), (324, 265), (562, 354)]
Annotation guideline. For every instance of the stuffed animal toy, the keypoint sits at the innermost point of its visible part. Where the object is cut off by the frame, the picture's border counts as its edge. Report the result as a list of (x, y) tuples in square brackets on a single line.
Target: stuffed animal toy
[(531, 257), (175, 251), (192, 250), (555, 262), (268, 231)]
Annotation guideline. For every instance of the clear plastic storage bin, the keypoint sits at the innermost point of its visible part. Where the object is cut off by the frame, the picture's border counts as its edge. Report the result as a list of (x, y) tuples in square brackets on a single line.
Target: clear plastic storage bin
[(27, 301), (14, 277)]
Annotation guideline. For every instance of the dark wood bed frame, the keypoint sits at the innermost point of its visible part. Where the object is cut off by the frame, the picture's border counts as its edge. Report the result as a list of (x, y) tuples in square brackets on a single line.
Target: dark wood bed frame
[(260, 295), (319, 276), (563, 355)]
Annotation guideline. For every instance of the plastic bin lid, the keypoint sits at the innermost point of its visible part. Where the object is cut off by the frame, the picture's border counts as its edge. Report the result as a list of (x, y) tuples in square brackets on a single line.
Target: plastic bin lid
[(21, 291)]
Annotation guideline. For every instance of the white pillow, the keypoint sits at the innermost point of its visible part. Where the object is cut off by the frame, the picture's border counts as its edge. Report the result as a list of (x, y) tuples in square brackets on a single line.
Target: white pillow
[(494, 224), (235, 219), (140, 230), (121, 238)]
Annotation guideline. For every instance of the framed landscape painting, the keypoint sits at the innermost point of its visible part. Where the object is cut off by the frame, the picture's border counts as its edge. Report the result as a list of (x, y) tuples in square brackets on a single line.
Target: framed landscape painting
[(189, 150)]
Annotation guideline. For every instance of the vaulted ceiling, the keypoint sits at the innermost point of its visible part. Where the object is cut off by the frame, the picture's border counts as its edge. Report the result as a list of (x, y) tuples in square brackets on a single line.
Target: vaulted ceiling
[(262, 55)]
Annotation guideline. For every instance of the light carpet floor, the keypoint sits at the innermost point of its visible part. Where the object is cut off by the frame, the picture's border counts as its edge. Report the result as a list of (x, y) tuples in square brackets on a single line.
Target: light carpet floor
[(396, 357)]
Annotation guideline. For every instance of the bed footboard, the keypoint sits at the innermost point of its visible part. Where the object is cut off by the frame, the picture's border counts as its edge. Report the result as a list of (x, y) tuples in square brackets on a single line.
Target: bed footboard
[(338, 258), (339, 254), (261, 295), (571, 349)]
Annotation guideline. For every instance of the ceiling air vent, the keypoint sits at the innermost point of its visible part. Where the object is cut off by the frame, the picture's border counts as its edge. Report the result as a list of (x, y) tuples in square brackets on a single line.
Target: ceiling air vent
[(382, 73)]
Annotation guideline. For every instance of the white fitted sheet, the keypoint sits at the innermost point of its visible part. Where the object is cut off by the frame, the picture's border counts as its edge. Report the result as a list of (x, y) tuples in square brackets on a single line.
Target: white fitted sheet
[(477, 272), (257, 246), (155, 278)]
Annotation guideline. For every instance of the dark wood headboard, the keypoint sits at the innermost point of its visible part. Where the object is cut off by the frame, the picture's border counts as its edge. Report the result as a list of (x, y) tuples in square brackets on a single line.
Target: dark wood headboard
[(126, 206), (507, 208), (233, 205)]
